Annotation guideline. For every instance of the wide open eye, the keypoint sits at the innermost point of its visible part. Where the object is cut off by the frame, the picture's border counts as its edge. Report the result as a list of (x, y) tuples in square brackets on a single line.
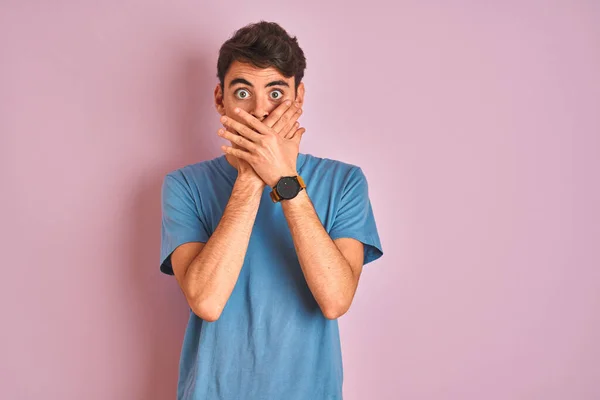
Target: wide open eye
[(276, 95), (242, 94)]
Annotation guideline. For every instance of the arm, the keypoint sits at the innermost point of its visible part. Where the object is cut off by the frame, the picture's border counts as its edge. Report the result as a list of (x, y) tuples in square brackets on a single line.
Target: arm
[(207, 273), (331, 268)]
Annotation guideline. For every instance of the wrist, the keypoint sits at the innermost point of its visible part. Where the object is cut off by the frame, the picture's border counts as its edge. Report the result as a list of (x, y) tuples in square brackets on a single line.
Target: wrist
[(298, 203), (251, 183)]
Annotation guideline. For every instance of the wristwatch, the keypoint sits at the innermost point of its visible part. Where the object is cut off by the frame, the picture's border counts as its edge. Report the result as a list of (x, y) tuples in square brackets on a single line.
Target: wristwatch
[(287, 188)]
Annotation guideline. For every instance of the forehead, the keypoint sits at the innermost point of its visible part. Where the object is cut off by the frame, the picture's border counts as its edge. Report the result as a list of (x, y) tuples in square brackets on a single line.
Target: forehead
[(253, 74)]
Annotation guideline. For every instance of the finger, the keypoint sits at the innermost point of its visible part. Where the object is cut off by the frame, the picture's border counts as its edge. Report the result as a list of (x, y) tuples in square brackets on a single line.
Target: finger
[(239, 140), (298, 135), (277, 113), (253, 123), (287, 120), (292, 130), (241, 129), (244, 155)]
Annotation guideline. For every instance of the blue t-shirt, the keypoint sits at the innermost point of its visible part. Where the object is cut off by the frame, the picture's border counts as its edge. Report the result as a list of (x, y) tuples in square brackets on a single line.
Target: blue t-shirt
[(271, 341)]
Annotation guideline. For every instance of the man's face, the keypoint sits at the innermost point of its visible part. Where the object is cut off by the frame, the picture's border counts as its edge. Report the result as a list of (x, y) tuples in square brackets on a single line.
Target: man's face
[(255, 90)]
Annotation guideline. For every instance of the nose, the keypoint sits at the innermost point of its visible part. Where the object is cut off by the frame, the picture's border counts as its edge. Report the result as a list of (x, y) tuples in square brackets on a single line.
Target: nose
[(262, 108)]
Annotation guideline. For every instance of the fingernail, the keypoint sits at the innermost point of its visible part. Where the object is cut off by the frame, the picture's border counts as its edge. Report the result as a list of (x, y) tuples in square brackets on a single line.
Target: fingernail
[(288, 102), (237, 110), (223, 119), (297, 104)]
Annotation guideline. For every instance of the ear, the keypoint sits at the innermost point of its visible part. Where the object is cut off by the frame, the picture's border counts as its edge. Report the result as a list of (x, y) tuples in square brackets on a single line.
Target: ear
[(300, 94), (219, 105)]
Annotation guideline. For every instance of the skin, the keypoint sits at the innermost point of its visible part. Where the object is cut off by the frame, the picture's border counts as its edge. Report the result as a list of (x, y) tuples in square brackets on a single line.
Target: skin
[(259, 109)]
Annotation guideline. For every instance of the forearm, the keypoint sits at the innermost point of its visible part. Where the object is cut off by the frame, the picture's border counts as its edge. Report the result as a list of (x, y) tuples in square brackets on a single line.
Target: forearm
[(327, 272), (212, 275)]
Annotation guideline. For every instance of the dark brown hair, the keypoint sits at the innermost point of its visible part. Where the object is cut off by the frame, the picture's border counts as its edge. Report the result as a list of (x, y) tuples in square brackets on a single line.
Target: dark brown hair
[(263, 44)]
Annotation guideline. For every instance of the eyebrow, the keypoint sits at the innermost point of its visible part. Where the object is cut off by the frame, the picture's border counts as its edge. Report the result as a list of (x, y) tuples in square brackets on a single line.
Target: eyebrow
[(245, 82)]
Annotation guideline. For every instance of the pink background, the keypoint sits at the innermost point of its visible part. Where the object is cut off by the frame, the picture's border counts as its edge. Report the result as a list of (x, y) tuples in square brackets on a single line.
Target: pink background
[(477, 126)]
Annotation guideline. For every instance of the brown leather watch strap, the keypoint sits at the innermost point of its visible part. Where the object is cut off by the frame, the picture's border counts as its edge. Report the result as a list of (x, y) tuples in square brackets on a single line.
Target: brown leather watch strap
[(274, 196), (301, 182)]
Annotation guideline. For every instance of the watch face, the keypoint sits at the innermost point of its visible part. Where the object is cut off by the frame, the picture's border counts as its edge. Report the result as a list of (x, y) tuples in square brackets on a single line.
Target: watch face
[(288, 188)]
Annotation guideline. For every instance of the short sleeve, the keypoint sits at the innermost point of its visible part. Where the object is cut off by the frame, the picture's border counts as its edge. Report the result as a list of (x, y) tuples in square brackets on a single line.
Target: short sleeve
[(181, 222), (354, 217)]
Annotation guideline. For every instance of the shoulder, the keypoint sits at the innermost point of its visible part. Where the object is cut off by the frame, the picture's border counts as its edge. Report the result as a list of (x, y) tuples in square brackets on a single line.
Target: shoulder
[(193, 175), (328, 168)]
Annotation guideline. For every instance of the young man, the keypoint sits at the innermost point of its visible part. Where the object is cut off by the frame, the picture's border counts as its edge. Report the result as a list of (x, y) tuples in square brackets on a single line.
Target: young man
[(266, 243)]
